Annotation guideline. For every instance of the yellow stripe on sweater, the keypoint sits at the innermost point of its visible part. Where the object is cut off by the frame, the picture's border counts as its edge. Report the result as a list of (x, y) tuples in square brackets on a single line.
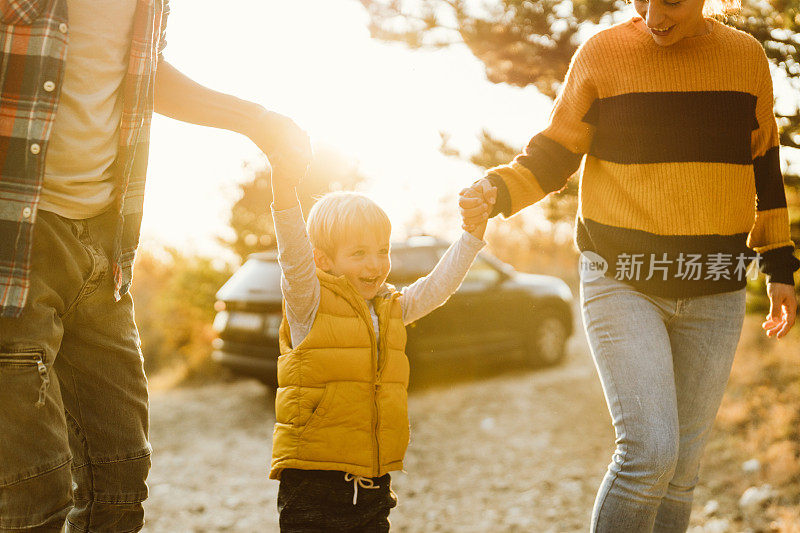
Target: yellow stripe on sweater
[(770, 231), (669, 198), (631, 62)]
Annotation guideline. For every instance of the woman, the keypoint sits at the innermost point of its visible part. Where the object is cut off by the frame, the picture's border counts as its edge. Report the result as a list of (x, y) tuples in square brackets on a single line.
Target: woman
[(673, 113)]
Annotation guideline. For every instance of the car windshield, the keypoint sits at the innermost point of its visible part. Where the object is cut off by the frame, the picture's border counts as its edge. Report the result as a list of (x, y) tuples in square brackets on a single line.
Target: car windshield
[(482, 273), (257, 279), (408, 264)]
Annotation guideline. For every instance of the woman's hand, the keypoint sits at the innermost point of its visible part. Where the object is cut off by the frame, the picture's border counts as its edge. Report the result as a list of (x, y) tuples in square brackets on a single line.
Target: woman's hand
[(782, 309)]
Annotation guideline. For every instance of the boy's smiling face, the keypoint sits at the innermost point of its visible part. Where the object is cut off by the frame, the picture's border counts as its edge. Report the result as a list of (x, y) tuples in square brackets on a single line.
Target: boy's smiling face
[(362, 258)]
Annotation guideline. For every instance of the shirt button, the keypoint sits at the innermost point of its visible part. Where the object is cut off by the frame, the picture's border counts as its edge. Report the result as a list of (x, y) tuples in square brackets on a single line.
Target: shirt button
[(49, 86), (62, 27), (26, 212), (35, 149)]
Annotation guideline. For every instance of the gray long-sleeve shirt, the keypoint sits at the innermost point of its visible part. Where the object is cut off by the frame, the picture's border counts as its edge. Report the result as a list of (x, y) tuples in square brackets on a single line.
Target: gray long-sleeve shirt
[(300, 285)]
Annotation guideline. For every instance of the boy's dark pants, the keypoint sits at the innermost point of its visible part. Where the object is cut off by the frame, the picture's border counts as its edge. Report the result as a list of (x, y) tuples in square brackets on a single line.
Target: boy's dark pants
[(321, 500), (73, 395)]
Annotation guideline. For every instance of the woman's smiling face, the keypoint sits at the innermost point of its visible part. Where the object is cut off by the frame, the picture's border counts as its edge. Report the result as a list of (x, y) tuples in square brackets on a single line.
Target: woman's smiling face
[(669, 21)]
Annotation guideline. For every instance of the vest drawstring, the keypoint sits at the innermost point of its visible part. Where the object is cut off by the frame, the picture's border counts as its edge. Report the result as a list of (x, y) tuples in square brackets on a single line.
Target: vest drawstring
[(359, 481)]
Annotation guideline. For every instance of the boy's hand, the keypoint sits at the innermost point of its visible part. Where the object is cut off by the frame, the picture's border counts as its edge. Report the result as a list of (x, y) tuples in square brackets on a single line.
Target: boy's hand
[(471, 215), (287, 170), (475, 209)]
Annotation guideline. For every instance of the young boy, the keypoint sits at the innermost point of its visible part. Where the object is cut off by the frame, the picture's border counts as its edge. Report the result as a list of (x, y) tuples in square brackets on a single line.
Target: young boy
[(341, 407)]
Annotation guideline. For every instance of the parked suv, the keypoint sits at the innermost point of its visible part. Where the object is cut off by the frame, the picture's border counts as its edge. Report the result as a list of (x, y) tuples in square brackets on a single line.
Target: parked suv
[(497, 313)]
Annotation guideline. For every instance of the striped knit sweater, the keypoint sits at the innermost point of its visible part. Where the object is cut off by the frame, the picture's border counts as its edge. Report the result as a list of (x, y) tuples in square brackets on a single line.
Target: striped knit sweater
[(681, 185)]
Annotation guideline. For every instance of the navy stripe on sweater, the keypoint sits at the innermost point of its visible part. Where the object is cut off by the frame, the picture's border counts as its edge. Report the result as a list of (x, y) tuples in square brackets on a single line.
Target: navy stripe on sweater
[(664, 127), (613, 243), (769, 180), (549, 162)]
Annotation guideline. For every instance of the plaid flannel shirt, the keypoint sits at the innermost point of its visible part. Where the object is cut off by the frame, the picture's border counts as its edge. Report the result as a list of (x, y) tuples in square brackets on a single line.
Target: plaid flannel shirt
[(33, 47)]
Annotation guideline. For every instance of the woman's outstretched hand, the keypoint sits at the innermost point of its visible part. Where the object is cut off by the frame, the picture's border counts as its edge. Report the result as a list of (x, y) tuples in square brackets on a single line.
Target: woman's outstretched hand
[(782, 310)]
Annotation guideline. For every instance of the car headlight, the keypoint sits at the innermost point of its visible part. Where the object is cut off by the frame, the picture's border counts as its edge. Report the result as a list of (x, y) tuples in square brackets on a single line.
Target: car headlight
[(220, 321)]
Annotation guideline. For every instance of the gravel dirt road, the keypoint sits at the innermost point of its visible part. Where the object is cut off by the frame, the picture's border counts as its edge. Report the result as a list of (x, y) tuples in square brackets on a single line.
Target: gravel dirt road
[(524, 451), (519, 452)]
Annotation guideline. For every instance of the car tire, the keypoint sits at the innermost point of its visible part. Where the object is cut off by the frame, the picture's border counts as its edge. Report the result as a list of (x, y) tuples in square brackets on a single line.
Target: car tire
[(547, 338)]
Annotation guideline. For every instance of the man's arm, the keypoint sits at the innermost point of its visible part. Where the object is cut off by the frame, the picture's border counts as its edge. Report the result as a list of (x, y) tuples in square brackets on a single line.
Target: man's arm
[(178, 96), (287, 146)]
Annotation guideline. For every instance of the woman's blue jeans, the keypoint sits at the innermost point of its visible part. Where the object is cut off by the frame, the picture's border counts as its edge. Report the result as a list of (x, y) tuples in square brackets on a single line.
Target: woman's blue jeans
[(663, 364)]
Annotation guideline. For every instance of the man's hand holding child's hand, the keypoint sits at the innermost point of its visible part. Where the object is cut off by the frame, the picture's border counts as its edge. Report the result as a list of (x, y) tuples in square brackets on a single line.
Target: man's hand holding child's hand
[(287, 170), (286, 145), (289, 151), (476, 204)]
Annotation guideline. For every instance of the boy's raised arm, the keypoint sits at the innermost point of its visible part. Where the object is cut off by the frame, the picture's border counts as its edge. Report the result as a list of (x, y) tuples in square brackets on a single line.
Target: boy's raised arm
[(431, 291), (299, 283)]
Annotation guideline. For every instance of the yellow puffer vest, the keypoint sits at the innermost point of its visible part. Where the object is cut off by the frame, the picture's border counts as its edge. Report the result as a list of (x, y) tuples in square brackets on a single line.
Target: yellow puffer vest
[(338, 406)]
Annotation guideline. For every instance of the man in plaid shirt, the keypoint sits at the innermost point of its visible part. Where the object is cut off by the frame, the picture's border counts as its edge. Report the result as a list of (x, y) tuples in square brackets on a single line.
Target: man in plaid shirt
[(79, 80)]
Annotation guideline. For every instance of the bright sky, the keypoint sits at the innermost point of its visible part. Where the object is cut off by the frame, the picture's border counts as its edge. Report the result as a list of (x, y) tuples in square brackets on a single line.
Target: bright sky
[(314, 61)]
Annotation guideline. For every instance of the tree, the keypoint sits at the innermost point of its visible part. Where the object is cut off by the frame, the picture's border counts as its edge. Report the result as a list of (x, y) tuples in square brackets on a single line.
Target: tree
[(559, 208), (250, 218), (530, 43), (520, 42), (776, 24), (178, 290)]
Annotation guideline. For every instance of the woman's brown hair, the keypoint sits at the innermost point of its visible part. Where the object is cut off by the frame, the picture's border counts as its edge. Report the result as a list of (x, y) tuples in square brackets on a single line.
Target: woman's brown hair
[(717, 8), (721, 8)]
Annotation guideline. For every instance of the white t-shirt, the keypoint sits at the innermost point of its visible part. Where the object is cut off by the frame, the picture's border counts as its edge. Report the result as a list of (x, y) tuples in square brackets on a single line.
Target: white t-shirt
[(84, 142)]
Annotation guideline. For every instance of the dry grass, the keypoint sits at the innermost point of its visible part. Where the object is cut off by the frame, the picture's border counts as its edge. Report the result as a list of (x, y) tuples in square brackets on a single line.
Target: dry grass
[(549, 251), (759, 419), (174, 294)]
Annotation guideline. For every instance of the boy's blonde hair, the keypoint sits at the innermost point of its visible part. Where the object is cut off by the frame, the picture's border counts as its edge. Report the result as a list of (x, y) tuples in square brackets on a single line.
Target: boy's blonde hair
[(337, 216)]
